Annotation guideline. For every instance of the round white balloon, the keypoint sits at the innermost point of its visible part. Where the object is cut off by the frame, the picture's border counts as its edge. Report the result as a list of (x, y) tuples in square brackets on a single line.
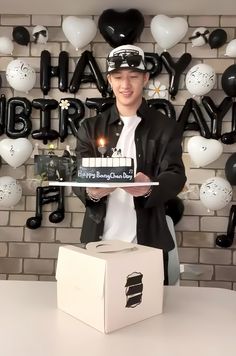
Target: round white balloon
[(6, 45), (199, 37), (230, 50), (200, 79), (20, 75), (168, 31), (40, 34), (216, 193), (79, 31), (10, 192), (15, 151), (204, 151)]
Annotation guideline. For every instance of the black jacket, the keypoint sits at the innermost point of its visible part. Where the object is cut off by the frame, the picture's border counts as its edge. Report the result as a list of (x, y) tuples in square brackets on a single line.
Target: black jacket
[(159, 156)]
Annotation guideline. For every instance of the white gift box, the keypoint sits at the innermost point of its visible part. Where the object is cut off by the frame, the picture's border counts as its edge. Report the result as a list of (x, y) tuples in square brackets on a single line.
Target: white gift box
[(110, 284)]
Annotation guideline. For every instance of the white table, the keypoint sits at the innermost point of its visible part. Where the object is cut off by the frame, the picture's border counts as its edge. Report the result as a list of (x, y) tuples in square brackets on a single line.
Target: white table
[(195, 322)]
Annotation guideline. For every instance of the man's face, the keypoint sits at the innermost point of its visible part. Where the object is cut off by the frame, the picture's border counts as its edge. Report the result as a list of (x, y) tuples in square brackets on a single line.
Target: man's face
[(127, 86)]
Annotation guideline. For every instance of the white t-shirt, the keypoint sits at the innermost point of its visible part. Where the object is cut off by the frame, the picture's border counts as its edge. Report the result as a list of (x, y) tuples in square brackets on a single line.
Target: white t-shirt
[(121, 221)]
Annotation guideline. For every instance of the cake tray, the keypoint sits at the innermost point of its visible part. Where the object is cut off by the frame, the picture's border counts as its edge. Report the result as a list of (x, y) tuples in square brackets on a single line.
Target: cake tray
[(102, 185)]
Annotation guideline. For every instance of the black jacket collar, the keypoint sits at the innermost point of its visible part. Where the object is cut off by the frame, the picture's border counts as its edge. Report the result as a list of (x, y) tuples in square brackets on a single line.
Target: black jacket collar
[(141, 112)]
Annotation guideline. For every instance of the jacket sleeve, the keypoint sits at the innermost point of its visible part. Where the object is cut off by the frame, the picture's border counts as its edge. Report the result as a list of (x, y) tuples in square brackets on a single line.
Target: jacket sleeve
[(84, 148), (170, 172)]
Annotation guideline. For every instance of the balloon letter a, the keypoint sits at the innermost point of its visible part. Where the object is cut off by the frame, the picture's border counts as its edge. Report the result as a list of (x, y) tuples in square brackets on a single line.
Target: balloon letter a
[(95, 76)]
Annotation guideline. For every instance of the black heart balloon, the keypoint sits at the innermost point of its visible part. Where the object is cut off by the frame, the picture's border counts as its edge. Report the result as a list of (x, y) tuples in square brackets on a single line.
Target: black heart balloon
[(120, 28)]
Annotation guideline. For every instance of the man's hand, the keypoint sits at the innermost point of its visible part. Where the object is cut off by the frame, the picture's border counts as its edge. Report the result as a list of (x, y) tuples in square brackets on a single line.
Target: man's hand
[(141, 190), (98, 193)]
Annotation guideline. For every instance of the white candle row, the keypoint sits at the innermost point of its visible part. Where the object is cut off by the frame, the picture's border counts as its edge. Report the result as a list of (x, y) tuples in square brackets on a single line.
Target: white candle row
[(106, 162)]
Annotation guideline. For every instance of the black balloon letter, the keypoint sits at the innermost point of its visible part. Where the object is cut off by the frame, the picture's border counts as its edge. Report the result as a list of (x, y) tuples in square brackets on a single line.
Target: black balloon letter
[(18, 123), (2, 113), (79, 77), (70, 117), (47, 71), (45, 132), (216, 114), (191, 107), (175, 70)]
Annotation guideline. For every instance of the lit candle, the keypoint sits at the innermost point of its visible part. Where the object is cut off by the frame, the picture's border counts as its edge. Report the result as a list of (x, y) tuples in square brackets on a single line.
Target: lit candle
[(102, 146), (101, 142)]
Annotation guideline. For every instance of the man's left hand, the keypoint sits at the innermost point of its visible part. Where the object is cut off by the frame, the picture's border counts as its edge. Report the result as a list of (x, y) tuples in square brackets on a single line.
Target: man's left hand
[(140, 190)]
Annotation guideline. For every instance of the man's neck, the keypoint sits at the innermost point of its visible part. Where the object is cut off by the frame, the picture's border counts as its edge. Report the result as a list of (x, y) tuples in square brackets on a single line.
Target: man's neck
[(128, 110)]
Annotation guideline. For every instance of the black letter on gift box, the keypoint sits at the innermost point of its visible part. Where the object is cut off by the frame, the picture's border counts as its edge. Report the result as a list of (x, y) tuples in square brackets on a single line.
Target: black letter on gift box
[(134, 289)]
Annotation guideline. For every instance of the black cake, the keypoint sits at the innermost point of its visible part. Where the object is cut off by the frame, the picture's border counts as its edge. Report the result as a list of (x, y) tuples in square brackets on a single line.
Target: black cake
[(105, 169)]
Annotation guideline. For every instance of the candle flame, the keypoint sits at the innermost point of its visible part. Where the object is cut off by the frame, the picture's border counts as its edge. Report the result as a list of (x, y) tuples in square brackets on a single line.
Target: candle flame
[(101, 142)]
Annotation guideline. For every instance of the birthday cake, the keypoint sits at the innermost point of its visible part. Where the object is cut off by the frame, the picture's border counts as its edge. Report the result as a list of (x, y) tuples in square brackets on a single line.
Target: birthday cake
[(105, 169)]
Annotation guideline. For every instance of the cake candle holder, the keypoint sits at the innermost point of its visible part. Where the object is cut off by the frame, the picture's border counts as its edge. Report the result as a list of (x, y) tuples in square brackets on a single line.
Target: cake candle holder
[(102, 146)]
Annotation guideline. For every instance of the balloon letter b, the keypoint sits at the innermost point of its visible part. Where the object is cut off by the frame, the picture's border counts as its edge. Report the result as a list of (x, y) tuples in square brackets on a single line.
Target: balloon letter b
[(18, 124)]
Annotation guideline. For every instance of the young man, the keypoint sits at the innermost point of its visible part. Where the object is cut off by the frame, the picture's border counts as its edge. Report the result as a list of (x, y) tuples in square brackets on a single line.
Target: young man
[(134, 214)]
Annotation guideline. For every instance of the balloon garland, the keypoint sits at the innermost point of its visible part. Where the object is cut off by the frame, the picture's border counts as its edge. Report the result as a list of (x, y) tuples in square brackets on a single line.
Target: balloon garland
[(17, 124)]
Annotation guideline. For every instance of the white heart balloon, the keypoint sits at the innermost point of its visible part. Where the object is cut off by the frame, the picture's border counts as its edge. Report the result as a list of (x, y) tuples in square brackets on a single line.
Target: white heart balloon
[(6, 45), (15, 151), (79, 31), (10, 192), (230, 50), (204, 151), (215, 193), (168, 31)]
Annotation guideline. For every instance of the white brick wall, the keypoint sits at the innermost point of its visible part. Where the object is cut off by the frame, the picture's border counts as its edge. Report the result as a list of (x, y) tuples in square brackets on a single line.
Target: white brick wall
[(31, 254)]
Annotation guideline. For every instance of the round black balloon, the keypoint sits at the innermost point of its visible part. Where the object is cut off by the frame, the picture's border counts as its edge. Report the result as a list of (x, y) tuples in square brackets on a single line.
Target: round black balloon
[(229, 138), (217, 38), (228, 81), (224, 241), (175, 209), (21, 35), (230, 169), (120, 28)]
